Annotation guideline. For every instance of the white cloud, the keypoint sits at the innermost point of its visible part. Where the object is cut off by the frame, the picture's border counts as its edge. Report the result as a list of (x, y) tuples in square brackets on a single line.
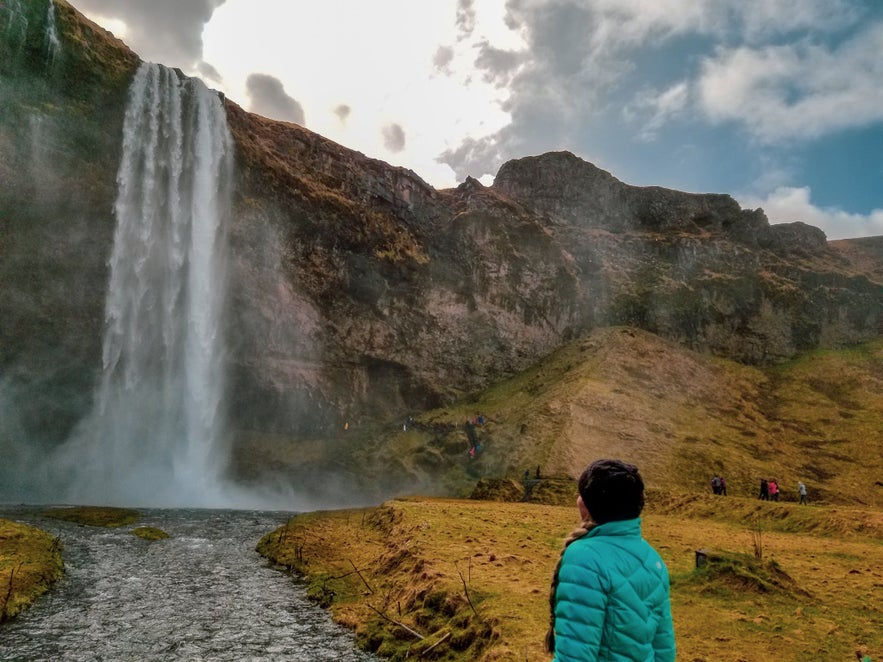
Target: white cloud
[(652, 109), (579, 56), (796, 91), (788, 204)]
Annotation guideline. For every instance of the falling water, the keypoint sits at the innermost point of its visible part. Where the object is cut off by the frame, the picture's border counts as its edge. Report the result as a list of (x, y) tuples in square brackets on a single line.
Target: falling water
[(16, 28), (156, 436), (53, 44)]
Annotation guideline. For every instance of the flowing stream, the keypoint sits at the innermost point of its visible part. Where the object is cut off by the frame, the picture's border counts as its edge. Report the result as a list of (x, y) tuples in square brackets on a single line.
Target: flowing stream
[(202, 594)]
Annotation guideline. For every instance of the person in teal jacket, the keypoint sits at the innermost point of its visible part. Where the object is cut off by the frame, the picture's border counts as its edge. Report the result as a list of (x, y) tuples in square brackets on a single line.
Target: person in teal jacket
[(610, 593)]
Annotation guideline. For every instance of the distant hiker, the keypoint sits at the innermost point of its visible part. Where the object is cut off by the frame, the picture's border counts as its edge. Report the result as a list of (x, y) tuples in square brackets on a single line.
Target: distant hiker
[(610, 592), (469, 426), (526, 475), (723, 486), (764, 490), (774, 490), (716, 485), (538, 472), (480, 419), (801, 490)]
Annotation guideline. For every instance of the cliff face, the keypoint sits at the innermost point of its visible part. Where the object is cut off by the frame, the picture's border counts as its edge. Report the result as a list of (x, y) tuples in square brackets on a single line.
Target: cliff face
[(412, 296), (60, 127), (359, 292)]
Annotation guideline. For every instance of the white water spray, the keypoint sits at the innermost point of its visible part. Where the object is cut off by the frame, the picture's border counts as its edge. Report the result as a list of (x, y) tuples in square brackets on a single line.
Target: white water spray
[(53, 43), (16, 25), (156, 436)]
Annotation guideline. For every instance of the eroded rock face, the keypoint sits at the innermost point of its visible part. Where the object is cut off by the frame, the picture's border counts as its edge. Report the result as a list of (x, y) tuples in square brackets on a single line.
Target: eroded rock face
[(359, 292)]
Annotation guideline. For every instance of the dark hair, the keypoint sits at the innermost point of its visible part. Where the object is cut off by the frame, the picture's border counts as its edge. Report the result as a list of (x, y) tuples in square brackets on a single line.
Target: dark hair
[(612, 490)]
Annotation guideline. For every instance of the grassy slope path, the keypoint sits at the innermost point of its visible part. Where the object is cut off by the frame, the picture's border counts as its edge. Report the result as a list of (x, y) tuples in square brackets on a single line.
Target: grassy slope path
[(472, 577)]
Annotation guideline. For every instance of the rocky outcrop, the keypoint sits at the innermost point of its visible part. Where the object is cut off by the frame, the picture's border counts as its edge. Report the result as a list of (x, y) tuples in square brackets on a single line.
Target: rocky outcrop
[(359, 292)]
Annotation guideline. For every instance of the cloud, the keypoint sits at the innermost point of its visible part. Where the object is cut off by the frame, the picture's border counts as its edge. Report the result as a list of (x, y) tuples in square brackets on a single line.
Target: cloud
[(498, 64), (583, 62), (208, 72), (652, 109), (268, 98), (788, 204), (342, 111), (798, 91), (393, 138), (443, 58), (164, 31), (765, 20), (465, 18)]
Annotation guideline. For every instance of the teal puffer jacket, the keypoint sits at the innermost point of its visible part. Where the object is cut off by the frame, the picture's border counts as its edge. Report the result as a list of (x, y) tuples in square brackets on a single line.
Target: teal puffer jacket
[(612, 599)]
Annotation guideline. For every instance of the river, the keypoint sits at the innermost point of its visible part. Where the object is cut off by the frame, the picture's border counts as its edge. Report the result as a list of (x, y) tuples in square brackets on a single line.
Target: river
[(202, 594)]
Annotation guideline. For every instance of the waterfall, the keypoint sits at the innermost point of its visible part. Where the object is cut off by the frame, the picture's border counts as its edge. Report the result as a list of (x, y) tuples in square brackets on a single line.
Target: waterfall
[(16, 28), (156, 435), (53, 44)]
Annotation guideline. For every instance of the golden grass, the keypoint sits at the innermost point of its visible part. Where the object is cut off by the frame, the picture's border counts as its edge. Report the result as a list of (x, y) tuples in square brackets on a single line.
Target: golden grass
[(681, 416), (421, 561), (106, 516), (30, 561), (150, 533)]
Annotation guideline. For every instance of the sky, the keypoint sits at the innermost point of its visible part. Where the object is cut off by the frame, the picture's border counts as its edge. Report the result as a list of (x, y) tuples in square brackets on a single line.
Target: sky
[(778, 103)]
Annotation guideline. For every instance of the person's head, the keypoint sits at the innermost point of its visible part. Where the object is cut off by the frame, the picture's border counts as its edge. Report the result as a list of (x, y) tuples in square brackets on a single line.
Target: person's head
[(611, 490)]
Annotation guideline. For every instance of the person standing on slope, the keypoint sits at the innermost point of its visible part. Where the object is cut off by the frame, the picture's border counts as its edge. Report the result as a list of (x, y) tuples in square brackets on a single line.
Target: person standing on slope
[(610, 592)]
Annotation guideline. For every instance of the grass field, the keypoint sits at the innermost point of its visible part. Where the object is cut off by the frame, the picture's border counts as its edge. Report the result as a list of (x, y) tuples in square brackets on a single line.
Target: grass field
[(472, 577)]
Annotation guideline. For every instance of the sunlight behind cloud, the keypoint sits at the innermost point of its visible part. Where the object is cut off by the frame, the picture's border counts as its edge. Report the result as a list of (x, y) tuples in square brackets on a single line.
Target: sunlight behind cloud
[(378, 62)]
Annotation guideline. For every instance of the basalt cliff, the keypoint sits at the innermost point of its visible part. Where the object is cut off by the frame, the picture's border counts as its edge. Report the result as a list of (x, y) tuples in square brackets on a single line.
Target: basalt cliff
[(359, 294)]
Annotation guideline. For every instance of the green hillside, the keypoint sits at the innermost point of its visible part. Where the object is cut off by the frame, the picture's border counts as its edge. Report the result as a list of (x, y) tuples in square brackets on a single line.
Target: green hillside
[(680, 415)]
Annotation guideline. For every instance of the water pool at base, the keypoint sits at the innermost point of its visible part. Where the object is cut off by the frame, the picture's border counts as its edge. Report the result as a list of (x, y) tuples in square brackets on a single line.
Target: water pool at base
[(202, 594)]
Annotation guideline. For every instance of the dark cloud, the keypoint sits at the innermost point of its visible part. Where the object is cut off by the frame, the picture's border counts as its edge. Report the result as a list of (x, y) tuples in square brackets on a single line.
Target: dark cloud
[(268, 98), (498, 64), (554, 85), (165, 31), (465, 18), (394, 138), (475, 157), (442, 58), (208, 72), (343, 112)]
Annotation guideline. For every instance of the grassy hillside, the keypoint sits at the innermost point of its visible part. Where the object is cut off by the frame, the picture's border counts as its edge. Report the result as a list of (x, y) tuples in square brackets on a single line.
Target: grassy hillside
[(472, 577), (681, 416)]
